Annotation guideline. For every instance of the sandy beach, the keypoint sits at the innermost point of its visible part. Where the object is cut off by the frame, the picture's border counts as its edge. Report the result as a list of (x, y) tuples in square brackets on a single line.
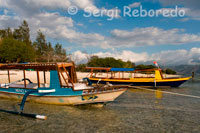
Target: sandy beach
[(18, 75)]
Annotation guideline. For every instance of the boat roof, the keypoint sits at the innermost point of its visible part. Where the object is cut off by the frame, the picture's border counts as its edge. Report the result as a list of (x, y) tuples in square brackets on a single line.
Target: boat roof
[(36, 66), (122, 69), (111, 69)]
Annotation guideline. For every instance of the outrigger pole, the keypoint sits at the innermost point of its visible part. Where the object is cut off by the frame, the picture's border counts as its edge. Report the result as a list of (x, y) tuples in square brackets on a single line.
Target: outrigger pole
[(23, 103)]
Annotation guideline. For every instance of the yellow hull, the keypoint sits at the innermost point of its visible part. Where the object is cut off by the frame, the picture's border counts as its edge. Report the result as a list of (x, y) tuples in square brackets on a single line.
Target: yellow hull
[(173, 82)]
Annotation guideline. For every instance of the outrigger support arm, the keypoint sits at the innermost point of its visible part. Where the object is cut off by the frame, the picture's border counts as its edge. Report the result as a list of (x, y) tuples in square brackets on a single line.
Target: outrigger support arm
[(24, 100), (30, 92)]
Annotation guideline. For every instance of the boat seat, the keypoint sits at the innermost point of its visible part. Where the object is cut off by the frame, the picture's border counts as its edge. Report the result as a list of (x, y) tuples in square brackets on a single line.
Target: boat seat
[(81, 86), (30, 85)]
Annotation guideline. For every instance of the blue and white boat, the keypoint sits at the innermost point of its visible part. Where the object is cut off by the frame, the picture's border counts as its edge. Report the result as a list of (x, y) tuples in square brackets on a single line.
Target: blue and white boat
[(63, 88)]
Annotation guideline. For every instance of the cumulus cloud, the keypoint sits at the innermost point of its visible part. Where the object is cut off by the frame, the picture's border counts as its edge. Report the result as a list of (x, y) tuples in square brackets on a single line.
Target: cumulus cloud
[(192, 7), (9, 21), (31, 7), (125, 55), (60, 27), (192, 13), (193, 4), (52, 24), (170, 57), (151, 36), (80, 57), (3, 3)]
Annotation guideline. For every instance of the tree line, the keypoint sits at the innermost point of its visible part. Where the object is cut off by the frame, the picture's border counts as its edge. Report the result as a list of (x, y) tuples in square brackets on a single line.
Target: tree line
[(95, 61), (17, 47)]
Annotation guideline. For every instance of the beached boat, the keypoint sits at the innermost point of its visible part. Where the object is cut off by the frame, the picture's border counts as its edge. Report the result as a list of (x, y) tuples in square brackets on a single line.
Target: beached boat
[(116, 76), (63, 88)]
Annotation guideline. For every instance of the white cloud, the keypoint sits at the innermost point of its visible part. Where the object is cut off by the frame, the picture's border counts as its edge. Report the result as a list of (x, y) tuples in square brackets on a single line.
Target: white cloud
[(151, 36), (170, 57), (30, 7), (3, 3), (9, 21), (178, 57), (125, 55), (53, 25), (80, 57), (58, 27), (194, 4), (192, 7), (189, 13), (192, 13), (134, 5)]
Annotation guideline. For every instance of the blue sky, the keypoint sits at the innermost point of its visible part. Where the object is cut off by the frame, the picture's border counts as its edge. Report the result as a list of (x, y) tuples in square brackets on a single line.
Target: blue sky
[(168, 40)]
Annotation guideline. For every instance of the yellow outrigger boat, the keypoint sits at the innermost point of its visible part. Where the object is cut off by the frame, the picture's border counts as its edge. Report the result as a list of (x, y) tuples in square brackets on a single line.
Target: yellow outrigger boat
[(154, 80)]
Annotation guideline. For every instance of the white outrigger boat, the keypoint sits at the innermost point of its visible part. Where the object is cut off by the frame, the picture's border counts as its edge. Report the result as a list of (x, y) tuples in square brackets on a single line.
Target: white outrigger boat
[(63, 89)]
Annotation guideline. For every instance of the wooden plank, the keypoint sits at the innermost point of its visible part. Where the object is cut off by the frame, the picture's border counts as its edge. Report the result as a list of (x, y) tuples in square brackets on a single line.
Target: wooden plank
[(38, 79), (24, 78), (44, 77), (64, 78), (71, 73), (68, 77), (99, 68), (58, 71), (8, 76), (74, 72)]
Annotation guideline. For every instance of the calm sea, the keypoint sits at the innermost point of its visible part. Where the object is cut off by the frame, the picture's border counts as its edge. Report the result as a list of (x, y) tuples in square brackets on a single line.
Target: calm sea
[(134, 111)]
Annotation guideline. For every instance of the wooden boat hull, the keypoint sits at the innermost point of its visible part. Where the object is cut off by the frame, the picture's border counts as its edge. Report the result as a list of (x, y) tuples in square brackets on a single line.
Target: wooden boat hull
[(143, 82), (68, 100)]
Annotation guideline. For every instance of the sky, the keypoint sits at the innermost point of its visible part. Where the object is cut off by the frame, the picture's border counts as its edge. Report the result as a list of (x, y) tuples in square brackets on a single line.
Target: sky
[(166, 31)]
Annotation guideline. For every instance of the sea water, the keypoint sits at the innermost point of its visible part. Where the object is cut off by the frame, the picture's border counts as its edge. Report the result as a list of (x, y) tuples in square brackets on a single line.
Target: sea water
[(134, 111)]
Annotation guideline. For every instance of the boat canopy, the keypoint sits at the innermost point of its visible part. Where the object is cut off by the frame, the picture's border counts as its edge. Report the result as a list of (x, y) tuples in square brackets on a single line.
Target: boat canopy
[(111, 69), (36, 66), (122, 69), (67, 68)]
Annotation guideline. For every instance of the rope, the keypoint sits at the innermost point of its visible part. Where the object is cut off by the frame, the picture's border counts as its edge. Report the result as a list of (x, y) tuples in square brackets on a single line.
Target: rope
[(167, 92)]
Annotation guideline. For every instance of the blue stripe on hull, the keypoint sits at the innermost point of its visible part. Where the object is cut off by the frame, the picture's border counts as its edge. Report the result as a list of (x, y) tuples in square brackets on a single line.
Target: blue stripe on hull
[(172, 83)]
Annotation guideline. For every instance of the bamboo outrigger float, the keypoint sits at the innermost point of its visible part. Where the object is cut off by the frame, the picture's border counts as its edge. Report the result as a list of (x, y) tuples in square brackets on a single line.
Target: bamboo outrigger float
[(115, 76), (63, 88)]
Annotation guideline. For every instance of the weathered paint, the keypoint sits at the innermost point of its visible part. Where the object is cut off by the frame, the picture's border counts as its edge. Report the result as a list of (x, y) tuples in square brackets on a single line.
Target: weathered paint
[(62, 96), (68, 100)]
